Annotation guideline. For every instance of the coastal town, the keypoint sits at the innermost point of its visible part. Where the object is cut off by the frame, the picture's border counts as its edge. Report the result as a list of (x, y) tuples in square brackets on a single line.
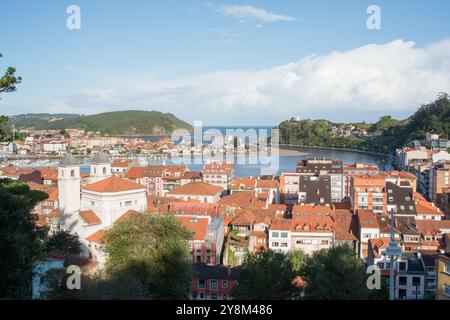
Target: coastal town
[(322, 204), (224, 158)]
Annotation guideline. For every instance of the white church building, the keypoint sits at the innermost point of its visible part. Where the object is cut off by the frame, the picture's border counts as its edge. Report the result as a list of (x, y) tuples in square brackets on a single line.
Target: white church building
[(90, 210)]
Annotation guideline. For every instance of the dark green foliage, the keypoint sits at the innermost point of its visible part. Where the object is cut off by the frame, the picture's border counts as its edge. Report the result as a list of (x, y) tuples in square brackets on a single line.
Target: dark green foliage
[(119, 122), (153, 251), (9, 80), (336, 273), (267, 275), (19, 238), (64, 243), (315, 133)]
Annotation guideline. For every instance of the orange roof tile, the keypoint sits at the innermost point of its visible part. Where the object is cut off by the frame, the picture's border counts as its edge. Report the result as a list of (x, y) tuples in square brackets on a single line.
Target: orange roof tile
[(367, 219), (97, 236), (113, 184), (196, 188), (198, 225), (89, 217)]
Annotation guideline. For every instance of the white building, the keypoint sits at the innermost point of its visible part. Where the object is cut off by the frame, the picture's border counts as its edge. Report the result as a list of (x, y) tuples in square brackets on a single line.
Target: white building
[(100, 167), (94, 208)]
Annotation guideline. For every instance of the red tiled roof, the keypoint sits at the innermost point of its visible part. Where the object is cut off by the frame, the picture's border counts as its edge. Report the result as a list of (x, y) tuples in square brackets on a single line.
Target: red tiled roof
[(196, 188), (367, 219), (343, 226), (97, 236), (378, 244), (113, 184), (121, 164), (198, 225), (309, 218), (89, 217)]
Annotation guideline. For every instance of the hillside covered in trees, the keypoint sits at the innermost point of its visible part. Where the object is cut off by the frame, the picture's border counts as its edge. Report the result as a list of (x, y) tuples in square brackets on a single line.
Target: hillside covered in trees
[(118, 122), (383, 136)]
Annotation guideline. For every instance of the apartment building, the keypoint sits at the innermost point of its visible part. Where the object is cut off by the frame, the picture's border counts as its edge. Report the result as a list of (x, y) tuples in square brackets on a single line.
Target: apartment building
[(325, 167), (219, 174), (368, 193)]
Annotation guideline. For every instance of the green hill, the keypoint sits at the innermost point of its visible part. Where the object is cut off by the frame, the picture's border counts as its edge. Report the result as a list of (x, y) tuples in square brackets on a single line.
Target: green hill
[(433, 117), (113, 123)]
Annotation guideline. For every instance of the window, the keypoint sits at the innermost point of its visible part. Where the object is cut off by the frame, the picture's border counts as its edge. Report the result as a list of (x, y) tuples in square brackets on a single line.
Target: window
[(275, 244), (447, 267), (380, 265), (224, 283), (202, 295), (402, 281), (208, 247), (225, 296), (416, 281), (284, 235), (402, 266), (213, 284), (447, 290), (128, 203), (92, 203), (275, 234), (284, 245), (104, 170), (213, 296), (72, 173), (201, 283)]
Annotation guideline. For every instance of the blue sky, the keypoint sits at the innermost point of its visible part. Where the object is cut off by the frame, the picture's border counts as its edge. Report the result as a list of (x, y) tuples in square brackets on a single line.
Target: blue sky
[(227, 62)]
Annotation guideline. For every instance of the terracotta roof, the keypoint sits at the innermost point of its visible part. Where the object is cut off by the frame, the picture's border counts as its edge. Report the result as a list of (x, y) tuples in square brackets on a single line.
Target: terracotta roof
[(424, 207), (378, 244), (198, 225), (121, 164), (196, 188), (53, 194), (97, 236), (265, 183), (113, 184), (344, 225), (432, 227), (245, 217), (195, 208), (309, 218), (239, 199), (367, 219), (281, 224), (89, 217), (243, 184)]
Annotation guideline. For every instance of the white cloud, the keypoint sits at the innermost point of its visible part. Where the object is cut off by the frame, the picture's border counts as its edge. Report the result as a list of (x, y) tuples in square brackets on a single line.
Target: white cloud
[(243, 12), (362, 83)]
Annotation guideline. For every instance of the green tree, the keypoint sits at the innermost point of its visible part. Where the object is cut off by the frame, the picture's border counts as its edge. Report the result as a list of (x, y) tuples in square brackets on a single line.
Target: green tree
[(266, 275), (63, 242), (9, 80), (8, 83), (19, 238), (336, 273), (153, 251)]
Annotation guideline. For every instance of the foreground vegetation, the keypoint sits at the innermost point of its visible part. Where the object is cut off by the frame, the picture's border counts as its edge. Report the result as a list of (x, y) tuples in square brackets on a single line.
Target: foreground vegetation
[(336, 273)]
